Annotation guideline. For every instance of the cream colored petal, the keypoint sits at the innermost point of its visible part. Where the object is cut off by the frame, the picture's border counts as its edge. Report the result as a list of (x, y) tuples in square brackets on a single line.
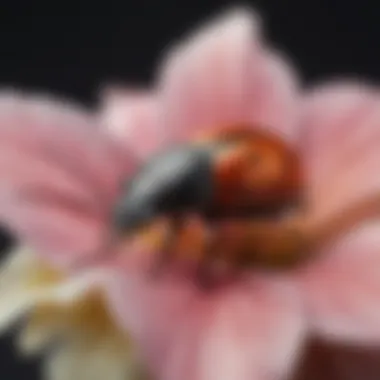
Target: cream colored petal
[(86, 318), (20, 300), (25, 283), (17, 275), (71, 313), (21, 267), (81, 361), (38, 333), (90, 346)]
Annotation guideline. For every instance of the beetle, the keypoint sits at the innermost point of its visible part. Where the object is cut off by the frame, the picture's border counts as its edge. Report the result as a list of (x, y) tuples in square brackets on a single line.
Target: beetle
[(234, 172)]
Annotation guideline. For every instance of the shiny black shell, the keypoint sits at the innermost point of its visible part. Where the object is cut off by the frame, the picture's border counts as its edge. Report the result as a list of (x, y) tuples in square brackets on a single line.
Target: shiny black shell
[(176, 181)]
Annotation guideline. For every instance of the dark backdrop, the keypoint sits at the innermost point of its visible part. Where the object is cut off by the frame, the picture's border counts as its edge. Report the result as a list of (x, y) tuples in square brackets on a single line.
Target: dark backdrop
[(71, 48)]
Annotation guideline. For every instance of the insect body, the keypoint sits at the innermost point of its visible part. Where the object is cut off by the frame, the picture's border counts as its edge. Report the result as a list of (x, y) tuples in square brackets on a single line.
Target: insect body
[(172, 183), (233, 173)]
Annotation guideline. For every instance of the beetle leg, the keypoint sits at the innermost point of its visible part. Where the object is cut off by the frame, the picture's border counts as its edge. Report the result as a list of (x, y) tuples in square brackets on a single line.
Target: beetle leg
[(248, 243), (166, 251), (268, 243)]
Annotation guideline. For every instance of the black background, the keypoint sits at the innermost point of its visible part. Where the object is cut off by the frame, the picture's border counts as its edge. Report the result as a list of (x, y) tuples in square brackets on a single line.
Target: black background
[(72, 48)]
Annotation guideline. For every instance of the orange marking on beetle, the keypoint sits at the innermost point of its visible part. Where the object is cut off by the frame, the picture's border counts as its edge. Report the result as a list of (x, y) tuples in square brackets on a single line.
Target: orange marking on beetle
[(257, 167)]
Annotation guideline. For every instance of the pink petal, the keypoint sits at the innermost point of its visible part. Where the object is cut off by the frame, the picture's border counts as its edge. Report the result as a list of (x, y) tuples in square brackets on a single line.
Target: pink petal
[(132, 118), (59, 176), (342, 159), (342, 289), (248, 331), (341, 144), (223, 75), (63, 236)]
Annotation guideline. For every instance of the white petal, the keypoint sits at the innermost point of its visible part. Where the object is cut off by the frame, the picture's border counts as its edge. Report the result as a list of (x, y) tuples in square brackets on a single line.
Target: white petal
[(18, 294), (15, 267), (103, 360), (15, 273), (32, 339)]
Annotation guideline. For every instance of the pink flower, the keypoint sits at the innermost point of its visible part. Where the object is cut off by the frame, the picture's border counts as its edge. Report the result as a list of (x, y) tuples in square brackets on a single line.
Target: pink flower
[(65, 177), (223, 75)]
